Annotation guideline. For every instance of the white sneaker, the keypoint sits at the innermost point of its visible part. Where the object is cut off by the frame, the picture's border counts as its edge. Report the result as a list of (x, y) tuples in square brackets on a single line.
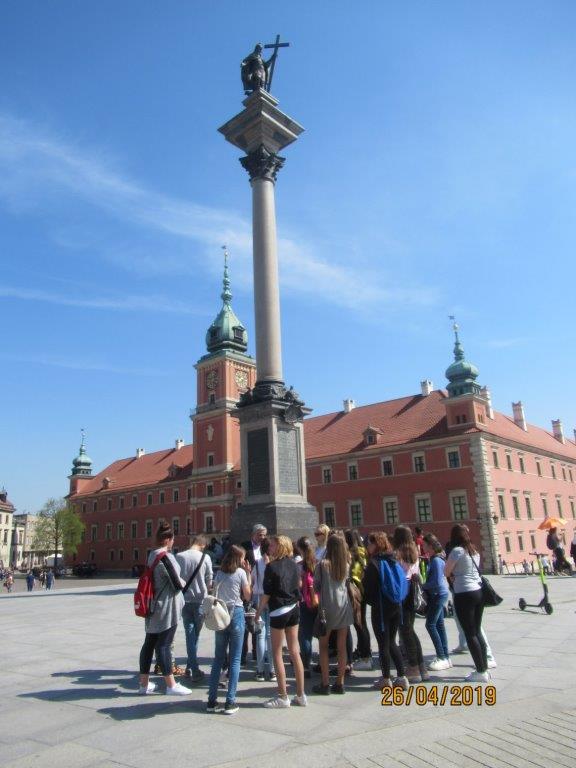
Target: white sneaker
[(382, 682), (492, 664), (478, 677), (145, 689), (439, 664), (363, 665), (278, 702), (178, 690), (300, 701), (401, 682)]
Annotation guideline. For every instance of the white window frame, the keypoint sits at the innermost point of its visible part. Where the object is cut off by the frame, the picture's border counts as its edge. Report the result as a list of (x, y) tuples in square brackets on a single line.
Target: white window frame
[(388, 500), (427, 497), (351, 503), (453, 449), (453, 495), (352, 465), (419, 455), (391, 460)]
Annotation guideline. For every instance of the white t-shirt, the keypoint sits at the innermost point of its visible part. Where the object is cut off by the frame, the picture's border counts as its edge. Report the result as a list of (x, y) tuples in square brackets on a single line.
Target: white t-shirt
[(466, 576)]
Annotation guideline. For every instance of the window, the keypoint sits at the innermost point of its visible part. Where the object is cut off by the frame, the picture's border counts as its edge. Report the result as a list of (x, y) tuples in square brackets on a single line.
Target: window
[(111, 555), (391, 510), (326, 475), (522, 467), (418, 460), (94, 506), (120, 531), (352, 472), (520, 542), (528, 507), (387, 467), (545, 507), (570, 475), (454, 458), (148, 529), (134, 529), (370, 439), (176, 526), (121, 502), (135, 555), (538, 468), (563, 473), (121, 555), (573, 510), (533, 541), (553, 470), (209, 523), (175, 495), (355, 508), (424, 509), (109, 505), (559, 507), (515, 507), (212, 399), (507, 544), (92, 555), (329, 514), (509, 461), (161, 497), (210, 459), (108, 531), (84, 508), (188, 494), (149, 499), (209, 489), (134, 500), (495, 459), (501, 507), (93, 533), (459, 505)]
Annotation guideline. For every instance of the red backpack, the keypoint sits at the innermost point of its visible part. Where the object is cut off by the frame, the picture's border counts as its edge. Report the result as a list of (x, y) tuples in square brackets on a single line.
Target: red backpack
[(144, 593)]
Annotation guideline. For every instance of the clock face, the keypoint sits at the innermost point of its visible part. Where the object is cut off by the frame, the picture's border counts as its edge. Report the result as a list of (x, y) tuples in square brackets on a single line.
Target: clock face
[(241, 378), (211, 379)]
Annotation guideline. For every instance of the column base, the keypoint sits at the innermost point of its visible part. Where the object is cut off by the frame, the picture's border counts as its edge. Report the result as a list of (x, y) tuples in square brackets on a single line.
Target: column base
[(292, 520)]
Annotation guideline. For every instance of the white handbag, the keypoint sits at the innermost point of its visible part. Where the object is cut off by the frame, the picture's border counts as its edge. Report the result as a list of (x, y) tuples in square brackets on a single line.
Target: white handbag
[(216, 613)]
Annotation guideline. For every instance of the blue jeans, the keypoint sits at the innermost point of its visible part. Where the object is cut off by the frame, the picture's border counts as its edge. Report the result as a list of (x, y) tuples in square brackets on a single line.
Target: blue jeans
[(435, 624), (193, 621), (264, 645), (307, 616), (232, 636)]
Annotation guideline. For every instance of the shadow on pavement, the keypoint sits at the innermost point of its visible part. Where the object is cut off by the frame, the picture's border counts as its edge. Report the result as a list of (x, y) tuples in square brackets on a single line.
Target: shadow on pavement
[(99, 676)]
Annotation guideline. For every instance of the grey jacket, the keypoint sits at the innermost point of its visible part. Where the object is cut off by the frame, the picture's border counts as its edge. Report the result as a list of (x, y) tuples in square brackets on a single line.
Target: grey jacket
[(168, 598)]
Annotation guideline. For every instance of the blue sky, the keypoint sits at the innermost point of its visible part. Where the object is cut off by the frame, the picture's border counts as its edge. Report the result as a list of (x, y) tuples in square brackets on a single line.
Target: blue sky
[(436, 176)]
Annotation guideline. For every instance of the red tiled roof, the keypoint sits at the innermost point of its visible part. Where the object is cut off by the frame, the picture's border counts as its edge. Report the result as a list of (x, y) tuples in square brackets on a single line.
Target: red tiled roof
[(149, 469), (535, 438)]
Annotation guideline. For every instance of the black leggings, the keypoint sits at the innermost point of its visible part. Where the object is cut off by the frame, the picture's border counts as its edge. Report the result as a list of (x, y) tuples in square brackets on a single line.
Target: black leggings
[(469, 607), (386, 632), (161, 642), (363, 647), (410, 639)]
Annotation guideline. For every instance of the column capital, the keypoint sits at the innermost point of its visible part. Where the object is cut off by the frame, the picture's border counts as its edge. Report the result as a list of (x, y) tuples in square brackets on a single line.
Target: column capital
[(262, 164)]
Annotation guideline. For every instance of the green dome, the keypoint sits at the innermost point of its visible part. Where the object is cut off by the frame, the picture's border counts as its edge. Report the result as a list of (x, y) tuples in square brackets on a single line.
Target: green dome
[(461, 374), (226, 332), (82, 464)]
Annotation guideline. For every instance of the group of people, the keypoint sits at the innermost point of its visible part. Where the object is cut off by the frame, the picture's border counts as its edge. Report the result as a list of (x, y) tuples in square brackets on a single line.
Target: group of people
[(282, 594), (45, 579)]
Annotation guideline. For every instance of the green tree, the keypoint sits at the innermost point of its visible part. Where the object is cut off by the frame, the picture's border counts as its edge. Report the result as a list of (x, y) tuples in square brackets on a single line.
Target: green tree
[(58, 527)]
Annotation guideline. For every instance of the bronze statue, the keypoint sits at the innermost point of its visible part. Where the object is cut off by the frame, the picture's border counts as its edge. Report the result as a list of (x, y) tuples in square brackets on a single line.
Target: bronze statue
[(255, 71)]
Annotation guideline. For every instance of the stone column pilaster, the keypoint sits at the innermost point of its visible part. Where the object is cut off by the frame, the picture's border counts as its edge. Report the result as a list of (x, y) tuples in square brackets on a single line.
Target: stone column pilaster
[(485, 504)]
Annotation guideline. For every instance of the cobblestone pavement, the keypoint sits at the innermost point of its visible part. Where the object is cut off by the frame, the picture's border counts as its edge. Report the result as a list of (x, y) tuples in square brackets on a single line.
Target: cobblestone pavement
[(68, 696)]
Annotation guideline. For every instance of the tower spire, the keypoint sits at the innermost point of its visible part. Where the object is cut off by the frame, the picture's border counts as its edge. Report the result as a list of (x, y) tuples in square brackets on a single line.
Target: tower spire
[(82, 464), (461, 374), (226, 332)]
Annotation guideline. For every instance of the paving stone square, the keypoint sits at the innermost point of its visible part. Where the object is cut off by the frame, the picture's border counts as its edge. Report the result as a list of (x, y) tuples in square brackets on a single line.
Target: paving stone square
[(69, 696)]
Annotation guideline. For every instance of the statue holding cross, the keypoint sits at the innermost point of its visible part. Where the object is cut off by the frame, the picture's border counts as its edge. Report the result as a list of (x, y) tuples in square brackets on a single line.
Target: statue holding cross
[(255, 71)]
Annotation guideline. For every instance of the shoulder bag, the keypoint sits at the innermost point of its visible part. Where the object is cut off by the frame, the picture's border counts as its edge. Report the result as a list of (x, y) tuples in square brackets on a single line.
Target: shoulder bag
[(320, 628), (490, 597), (216, 614)]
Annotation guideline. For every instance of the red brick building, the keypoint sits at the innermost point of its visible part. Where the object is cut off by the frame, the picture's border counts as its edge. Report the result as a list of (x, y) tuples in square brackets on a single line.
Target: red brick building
[(428, 459)]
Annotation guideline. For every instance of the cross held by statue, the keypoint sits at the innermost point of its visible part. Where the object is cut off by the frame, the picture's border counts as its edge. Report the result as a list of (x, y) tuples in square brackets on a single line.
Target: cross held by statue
[(276, 45)]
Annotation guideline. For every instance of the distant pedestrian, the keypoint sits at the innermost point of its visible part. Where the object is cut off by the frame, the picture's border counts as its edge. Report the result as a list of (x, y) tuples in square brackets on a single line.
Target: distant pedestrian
[(30, 581), (9, 582), (50, 579)]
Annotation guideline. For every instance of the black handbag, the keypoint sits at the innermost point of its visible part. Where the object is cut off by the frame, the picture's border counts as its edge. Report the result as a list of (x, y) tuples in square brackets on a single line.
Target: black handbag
[(418, 599), (490, 597)]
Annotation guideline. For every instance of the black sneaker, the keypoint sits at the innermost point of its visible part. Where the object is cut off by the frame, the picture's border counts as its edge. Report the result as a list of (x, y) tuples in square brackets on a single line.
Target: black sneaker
[(230, 708), (337, 688), (321, 690), (212, 707)]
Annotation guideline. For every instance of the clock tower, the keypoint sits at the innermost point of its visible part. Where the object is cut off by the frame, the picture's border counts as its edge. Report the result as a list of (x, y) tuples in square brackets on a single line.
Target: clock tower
[(223, 375)]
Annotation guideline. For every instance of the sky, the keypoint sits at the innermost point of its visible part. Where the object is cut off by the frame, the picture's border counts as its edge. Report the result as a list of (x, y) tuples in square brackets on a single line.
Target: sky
[(436, 176)]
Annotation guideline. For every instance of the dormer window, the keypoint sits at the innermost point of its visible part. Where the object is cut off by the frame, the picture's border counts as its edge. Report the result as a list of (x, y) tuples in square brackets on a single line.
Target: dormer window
[(372, 435), (238, 334)]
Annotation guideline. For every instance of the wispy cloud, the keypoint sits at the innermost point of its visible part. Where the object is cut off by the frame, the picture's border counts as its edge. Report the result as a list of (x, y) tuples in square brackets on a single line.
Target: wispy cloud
[(123, 303), (35, 168), (81, 364)]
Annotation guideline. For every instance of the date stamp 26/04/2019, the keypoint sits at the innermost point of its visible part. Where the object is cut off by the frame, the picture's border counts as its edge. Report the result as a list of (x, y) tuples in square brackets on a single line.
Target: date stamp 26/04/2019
[(440, 696)]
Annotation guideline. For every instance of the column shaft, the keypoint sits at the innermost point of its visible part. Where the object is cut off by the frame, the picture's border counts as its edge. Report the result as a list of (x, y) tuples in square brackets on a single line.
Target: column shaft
[(266, 289)]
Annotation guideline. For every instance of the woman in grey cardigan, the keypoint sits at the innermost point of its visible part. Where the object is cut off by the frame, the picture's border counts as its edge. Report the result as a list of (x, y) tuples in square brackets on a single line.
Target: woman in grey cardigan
[(166, 611)]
